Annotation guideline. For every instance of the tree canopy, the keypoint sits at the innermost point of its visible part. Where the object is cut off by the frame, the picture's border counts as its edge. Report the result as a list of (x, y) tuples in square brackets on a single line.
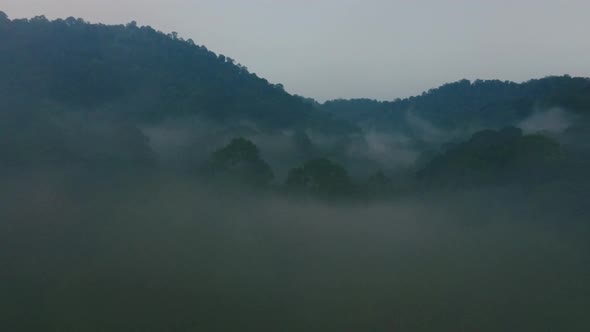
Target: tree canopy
[(240, 161), (496, 156), (139, 72), (479, 103), (320, 176)]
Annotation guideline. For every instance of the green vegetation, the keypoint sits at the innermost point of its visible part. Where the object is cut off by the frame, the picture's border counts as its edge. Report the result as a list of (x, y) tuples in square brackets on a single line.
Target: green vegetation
[(240, 160), (497, 157), (320, 176), (149, 184), (464, 104), (97, 96), (136, 72)]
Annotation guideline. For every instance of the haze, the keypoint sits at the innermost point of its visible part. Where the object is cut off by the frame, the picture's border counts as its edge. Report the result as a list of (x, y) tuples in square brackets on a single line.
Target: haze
[(377, 49), (149, 184)]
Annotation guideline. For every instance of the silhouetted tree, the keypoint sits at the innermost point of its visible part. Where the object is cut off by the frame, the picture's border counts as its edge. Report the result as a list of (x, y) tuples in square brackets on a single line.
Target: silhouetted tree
[(240, 161), (496, 157), (320, 176)]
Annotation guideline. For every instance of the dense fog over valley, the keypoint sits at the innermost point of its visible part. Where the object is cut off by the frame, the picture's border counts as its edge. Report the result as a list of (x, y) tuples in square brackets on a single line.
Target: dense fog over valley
[(159, 253), (150, 184)]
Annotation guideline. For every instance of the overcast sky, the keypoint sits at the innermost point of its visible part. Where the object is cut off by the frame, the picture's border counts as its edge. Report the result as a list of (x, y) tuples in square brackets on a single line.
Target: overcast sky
[(379, 49)]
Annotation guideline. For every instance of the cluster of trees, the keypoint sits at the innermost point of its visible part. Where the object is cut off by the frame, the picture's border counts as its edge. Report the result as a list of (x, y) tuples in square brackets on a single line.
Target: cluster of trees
[(496, 157), (489, 157), (100, 226), (75, 93), (240, 162)]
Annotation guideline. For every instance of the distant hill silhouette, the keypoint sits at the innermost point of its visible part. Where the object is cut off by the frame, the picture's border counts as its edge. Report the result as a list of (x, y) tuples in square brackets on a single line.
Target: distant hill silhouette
[(144, 73), (75, 92), (480, 103)]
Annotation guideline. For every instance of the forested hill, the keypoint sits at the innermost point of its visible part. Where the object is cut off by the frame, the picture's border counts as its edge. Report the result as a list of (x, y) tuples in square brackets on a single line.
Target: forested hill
[(74, 65), (94, 94), (146, 74), (481, 103)]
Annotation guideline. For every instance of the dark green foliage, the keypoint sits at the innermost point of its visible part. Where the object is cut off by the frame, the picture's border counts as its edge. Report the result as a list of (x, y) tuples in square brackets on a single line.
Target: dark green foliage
[(577, 98), (78, 93), (240, 161), (151, 248), (64, 82), (320, 176), (496, 157), (463, 104), (62, 139), (139, 72)]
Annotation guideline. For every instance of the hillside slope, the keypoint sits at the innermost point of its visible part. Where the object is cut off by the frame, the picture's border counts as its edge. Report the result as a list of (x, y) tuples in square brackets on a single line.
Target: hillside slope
[(72, 64)]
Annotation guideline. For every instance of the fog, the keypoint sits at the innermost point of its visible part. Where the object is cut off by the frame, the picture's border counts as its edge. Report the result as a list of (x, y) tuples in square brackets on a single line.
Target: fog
[(552, 121), (178, 142), (148, 184), (88, 251)]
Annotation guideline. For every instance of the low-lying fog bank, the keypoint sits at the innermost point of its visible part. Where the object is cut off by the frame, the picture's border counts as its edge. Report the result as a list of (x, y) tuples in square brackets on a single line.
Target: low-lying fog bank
[(154, 253)]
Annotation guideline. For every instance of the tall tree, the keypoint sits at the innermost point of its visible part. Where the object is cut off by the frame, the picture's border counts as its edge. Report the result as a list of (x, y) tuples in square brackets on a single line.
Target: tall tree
[(240, 161)]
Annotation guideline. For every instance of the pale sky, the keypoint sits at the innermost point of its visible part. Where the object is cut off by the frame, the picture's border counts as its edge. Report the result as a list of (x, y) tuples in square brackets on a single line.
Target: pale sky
[(379, 49)]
